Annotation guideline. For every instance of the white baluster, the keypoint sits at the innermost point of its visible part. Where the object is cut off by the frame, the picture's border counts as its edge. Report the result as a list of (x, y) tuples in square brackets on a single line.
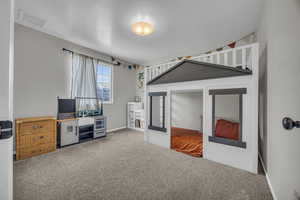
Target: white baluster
[(152, 72), (225, 58), (244, 58), (214, 58), (234, 58)]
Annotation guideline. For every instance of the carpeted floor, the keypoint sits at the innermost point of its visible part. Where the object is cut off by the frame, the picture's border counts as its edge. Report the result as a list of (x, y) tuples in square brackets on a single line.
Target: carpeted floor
[(122, 166)]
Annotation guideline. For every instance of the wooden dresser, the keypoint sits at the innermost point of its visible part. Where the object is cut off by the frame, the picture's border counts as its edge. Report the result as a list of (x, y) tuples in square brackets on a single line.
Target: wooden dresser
[(35, 136)]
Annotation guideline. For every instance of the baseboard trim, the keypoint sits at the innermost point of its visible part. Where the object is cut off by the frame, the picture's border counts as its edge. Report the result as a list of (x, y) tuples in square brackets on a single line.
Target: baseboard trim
[(116, 129), (267, 176)]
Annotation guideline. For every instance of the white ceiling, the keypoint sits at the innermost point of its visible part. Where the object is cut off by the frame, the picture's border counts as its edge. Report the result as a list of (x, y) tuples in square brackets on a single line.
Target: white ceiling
[(182, 27)]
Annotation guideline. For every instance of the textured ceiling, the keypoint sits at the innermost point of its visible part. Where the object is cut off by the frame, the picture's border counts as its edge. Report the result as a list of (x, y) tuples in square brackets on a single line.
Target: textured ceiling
[(182, 27)]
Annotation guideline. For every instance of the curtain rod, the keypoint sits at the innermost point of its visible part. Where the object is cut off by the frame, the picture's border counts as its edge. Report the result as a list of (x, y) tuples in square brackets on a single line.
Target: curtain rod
[(114, 62)]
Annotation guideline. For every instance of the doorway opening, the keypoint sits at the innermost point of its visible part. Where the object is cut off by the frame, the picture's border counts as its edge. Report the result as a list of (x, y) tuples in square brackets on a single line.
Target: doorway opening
[(187, 122)]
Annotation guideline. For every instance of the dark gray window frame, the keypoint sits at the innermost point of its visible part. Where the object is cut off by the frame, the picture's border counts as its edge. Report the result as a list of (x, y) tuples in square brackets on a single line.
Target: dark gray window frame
[(233, 91), (158, 94)]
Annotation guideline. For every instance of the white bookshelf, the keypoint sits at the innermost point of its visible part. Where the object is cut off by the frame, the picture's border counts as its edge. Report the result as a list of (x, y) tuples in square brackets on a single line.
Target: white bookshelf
[(135, 116)]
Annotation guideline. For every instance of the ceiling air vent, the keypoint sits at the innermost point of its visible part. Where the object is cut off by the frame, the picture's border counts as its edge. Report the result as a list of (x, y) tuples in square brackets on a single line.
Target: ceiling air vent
[(26, 18)]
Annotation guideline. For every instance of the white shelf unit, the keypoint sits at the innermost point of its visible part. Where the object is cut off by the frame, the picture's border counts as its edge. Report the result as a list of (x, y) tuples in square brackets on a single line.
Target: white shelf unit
[(135, 116)]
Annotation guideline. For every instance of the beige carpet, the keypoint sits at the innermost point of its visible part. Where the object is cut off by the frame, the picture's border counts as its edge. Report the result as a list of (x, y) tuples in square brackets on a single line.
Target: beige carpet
[(122, 166)]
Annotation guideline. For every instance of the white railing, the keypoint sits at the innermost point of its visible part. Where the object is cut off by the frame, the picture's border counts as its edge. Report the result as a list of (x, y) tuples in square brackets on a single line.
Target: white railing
[(239, 56)]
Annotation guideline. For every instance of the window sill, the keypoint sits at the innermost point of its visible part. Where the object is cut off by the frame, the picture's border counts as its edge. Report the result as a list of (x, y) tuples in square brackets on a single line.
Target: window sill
[(107, 102), (157, 129), (229, 142)]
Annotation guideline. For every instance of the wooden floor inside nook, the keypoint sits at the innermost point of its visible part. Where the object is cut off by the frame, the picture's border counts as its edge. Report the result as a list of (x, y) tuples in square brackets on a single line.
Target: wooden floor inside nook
[(187, 141)]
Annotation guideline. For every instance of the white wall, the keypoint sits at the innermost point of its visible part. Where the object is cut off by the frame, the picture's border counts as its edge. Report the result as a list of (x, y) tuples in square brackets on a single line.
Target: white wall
[(280, 36), (41, 75), (227, 107), (140, 89), (6, 96), (263, 103), (187, 110)]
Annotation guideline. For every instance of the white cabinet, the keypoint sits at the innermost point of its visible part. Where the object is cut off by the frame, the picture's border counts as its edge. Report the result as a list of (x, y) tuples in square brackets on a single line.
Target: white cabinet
[(135, 116), (6, 168)]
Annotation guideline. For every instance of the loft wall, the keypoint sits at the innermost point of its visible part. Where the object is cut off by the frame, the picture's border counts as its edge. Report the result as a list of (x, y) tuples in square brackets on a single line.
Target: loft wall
[(187, 110)]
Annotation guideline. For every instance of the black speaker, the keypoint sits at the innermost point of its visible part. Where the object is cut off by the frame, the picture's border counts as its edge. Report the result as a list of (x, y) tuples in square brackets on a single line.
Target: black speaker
[(5, 129)]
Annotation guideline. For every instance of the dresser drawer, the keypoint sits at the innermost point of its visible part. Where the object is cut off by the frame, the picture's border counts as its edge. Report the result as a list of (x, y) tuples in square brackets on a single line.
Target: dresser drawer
[(35, 139), (35, 150), (35, 136), (36, 127)]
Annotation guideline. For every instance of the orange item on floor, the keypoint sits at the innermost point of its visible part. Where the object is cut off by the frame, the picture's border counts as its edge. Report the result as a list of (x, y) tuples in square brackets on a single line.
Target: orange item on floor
[(187, 141), (227, 129)]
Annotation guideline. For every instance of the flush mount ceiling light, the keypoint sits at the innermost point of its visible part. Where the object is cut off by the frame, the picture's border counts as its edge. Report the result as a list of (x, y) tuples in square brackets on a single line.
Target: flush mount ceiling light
[(142, 28)]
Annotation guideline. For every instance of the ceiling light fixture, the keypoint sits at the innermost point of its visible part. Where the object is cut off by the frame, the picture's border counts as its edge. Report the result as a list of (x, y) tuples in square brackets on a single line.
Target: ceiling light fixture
[(142, 28)]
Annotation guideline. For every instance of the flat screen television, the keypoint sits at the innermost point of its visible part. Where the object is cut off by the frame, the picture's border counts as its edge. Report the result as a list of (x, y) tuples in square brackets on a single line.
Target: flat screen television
[(66, 105)]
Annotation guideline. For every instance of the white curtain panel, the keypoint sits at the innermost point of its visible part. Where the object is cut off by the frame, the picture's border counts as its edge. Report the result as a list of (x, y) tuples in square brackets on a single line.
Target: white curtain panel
[(84, 82), (67, 69)]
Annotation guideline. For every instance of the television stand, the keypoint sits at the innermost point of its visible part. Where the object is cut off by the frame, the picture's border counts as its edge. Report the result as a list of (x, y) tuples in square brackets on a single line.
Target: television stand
[(86, 132)]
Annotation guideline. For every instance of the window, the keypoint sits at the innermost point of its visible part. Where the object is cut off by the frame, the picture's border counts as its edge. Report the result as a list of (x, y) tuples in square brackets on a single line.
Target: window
[(227, 116), (157, 111), (104, 76)]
